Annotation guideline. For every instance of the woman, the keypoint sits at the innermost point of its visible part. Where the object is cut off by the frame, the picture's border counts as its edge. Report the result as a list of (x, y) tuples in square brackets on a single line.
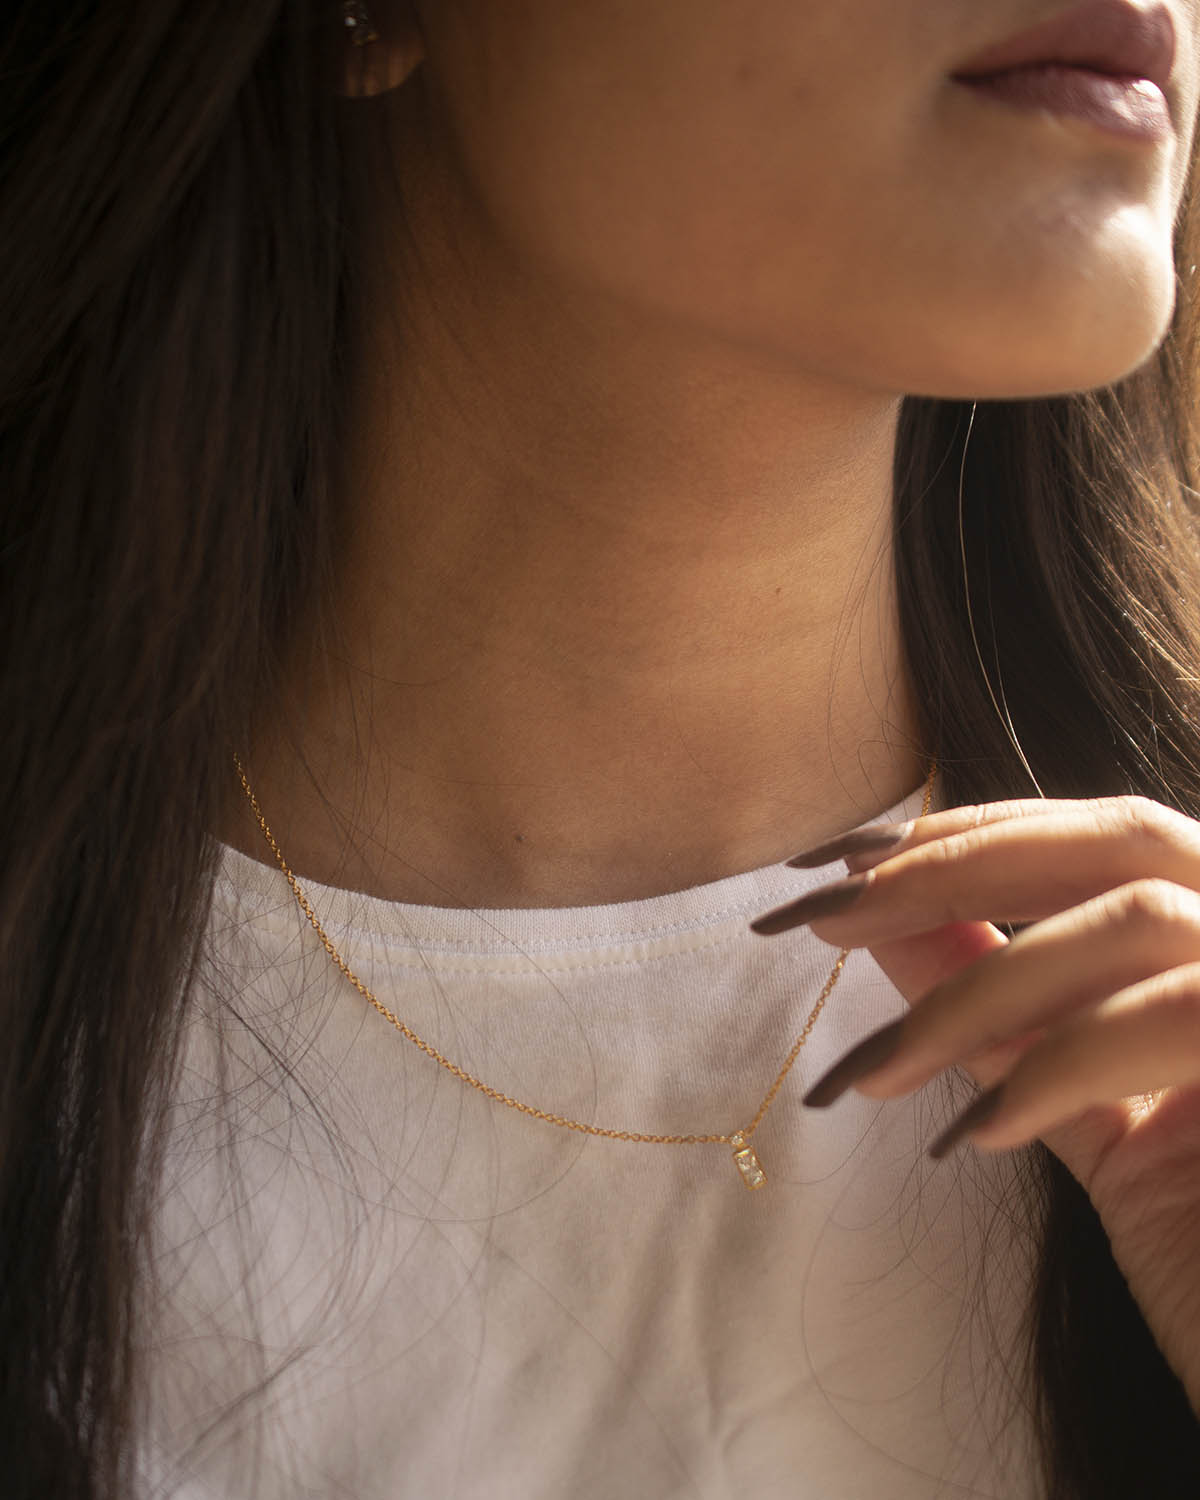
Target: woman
[(575, 454)]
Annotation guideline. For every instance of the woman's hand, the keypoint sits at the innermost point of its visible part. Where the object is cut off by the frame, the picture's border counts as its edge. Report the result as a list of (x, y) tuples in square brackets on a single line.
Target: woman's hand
[(1084, 1030)]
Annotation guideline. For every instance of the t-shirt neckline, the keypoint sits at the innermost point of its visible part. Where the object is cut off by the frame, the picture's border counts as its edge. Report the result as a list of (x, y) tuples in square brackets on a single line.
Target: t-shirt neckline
[(248, 888)]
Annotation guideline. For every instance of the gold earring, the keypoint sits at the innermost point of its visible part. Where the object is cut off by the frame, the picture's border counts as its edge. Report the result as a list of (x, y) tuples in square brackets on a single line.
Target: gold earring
[(356, 18)]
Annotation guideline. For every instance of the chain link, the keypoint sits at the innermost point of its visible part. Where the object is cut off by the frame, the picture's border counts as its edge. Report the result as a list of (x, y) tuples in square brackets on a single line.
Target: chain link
[(583, 1127)]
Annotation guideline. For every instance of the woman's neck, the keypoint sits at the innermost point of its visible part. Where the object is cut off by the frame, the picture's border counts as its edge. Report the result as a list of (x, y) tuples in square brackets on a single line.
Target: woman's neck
[(614, 615)]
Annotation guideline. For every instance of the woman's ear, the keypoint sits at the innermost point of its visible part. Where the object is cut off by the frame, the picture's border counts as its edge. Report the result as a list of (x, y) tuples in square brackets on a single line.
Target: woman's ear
[(381, 46)]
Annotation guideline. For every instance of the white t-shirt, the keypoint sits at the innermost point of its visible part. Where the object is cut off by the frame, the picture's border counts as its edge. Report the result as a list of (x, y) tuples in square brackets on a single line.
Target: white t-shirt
[(373, 1282)]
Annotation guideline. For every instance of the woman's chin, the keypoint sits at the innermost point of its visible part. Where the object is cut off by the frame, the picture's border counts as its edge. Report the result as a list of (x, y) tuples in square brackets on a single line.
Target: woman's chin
[(1055, 358)]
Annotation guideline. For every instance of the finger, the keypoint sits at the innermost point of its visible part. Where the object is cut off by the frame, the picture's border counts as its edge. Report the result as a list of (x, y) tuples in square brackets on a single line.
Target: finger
[(1016, 870), (971, 818), (1140, 1040), (914, 965), (988, 1014), (872, 843)]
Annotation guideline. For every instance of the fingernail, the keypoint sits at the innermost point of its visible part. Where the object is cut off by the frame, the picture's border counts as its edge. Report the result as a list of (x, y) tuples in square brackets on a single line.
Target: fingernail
[(871, 1053), (975, 1115), (825, 902), (873, 840)]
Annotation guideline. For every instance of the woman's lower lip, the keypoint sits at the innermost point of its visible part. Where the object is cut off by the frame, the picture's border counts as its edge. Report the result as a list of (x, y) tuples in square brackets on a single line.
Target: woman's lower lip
[(1130, 107)]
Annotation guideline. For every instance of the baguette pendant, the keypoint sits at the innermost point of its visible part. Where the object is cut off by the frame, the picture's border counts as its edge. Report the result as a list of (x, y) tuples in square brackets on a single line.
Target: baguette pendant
[(748, 1163)]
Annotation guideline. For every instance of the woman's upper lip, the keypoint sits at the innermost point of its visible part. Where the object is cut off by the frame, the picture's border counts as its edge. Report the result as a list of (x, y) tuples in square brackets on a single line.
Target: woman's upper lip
[(1106, 36)]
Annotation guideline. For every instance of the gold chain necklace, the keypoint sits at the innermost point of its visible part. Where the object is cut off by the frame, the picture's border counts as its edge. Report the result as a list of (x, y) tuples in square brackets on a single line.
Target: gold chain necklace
[(744, 1156)]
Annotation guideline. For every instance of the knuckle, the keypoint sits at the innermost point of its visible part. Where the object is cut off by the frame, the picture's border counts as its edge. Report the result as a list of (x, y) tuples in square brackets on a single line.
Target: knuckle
[(984, 814), (1155, 902), (1188, 997), (1176, 995), (1143, 819), (948, 854)]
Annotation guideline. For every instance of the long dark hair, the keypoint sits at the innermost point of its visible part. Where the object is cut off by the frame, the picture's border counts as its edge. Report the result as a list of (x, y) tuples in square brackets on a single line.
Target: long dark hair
[(172, 266)]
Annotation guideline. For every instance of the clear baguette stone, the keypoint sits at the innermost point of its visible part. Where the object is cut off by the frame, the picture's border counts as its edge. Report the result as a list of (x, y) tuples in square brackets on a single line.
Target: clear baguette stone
[(748, 1163)]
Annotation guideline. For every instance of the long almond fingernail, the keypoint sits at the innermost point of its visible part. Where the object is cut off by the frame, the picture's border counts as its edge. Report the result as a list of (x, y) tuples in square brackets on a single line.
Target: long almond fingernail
[(871, 1053), (975, 1115), (825, 902), (873, 840)]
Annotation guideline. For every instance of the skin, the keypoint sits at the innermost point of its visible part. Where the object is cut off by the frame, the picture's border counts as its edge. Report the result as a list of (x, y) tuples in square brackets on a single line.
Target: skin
[(1088, 1022), (614, 613)]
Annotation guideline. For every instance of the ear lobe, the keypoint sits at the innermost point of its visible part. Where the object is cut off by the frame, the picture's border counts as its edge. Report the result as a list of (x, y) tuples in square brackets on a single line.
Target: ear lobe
[(381, 47)]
